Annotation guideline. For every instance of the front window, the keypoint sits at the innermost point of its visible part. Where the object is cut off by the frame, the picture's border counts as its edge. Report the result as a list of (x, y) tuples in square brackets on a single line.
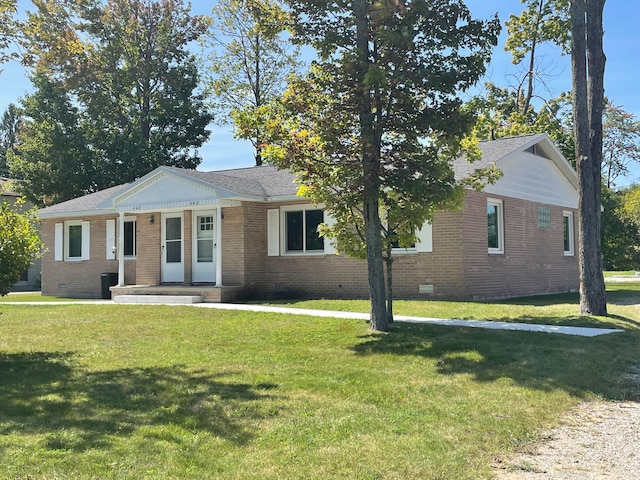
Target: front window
[(567, 218), (301, 231), (74, 241), (495, 226)]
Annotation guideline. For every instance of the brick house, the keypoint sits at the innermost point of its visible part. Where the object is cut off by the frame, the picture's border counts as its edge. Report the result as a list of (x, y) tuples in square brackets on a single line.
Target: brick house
[(244, 233)]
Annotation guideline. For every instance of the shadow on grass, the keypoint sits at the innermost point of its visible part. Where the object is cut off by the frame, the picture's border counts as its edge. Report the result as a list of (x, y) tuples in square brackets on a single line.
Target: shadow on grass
[(45, 393), (579, 365)]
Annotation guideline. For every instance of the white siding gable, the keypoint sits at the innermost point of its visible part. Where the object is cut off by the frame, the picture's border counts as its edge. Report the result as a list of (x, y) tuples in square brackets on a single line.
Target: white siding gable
[(167, 191), (531, 177)]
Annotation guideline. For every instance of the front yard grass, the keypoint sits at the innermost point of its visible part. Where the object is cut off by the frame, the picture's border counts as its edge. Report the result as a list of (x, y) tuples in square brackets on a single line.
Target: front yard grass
[(131, 392)]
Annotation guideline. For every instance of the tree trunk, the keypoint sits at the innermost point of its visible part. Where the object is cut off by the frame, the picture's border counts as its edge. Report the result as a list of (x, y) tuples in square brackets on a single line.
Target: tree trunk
[(532, 57), (371, 175), (258, 99), (587, 67)]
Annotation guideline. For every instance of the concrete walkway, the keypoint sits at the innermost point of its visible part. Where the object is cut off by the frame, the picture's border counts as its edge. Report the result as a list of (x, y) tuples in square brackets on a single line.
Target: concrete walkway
[(522, 327)]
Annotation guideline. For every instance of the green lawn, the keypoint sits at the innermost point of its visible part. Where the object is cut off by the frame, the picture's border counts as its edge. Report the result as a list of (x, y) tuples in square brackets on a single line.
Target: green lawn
[(134, 392), (627, 273)]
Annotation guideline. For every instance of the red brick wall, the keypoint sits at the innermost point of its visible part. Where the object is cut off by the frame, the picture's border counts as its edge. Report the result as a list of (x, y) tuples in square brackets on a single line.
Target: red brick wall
[(148, 248), (233, 246), (533, 260), (459, 266), (79, 279), (342, 277)]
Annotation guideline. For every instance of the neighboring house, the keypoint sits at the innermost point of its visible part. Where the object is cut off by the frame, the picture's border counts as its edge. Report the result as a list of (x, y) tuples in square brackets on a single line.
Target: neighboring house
[(244, 233), (30, 279)]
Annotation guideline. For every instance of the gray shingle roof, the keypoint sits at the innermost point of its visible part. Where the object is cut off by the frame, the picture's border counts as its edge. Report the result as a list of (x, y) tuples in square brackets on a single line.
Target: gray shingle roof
[(85, 204), (263, 181), (269, 182), (493, 151)]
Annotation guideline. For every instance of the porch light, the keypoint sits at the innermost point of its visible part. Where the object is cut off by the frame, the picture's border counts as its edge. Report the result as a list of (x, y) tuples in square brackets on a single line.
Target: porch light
[(152, 219)]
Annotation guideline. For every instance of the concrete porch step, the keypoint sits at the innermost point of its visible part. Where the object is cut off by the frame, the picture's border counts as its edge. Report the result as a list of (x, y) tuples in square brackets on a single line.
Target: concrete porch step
[(162, 299)]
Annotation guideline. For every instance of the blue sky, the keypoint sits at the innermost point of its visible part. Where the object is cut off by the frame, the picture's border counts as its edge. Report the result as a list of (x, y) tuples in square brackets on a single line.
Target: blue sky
[(622, 76)]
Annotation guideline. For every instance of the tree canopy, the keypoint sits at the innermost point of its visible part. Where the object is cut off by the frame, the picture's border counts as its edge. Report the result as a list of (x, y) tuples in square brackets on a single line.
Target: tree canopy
[(379, 114), (119, 74)]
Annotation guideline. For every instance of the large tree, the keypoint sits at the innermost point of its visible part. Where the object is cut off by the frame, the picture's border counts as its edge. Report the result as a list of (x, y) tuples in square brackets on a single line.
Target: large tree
[(53, 155), (380, 112), (587, 69), (249, 56), (126, 67)]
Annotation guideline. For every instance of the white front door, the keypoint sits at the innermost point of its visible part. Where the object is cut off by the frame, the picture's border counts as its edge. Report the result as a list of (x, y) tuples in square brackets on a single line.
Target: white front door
[(204, 247), (172, 248)]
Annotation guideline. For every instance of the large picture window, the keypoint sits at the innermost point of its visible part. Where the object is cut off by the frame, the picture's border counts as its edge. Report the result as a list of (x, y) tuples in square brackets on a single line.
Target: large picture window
[(301, 231), (495, 226)]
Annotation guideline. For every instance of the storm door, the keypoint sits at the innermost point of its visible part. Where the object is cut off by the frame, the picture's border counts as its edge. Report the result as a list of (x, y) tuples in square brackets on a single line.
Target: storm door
[(204, 247), (172, 248)]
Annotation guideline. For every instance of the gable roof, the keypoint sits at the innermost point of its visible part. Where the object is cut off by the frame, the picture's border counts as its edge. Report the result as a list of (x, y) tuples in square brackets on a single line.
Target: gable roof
[(268, 183), (264, 181), (495, 151), (253, 183)]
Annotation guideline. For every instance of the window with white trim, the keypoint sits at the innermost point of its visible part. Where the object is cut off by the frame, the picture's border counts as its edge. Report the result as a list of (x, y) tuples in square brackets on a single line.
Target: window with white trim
[(300, 230), (129, 238), (567, 227), (73, 238), (495, 226)]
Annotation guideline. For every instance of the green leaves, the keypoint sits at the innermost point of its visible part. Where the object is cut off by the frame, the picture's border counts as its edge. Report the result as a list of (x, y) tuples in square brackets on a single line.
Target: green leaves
[(19, 243), (8, 29), (541, 21), (248, 62)]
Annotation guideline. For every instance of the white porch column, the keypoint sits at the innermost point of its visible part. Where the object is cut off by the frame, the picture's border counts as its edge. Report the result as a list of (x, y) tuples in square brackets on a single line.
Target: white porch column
[(219, 246), (121, 250)]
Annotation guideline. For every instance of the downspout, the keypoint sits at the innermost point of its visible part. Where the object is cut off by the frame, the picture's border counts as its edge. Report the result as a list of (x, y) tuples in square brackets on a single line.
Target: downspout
[(219, 246), (121, 250)]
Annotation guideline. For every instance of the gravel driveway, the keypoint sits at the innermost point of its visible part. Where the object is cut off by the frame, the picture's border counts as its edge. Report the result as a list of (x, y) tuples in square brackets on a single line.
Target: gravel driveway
[(596, 440)]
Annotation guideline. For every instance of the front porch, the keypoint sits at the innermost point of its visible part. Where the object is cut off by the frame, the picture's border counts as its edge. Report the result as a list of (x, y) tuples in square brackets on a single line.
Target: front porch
[(176, 294)]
